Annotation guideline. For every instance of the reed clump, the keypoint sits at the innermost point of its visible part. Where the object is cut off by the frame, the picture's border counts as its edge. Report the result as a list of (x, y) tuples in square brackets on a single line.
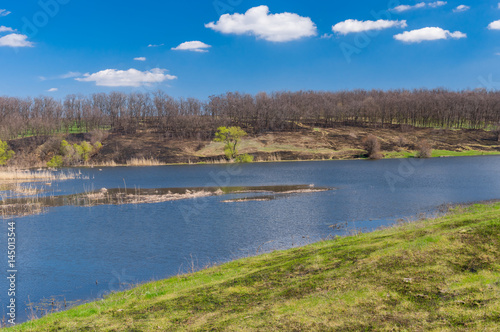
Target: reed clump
[(20, 175), (143, 162)]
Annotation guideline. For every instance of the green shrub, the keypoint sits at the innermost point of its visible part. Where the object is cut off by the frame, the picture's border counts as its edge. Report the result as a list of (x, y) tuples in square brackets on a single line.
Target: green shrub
[(87, 150), (244, 158), (230, 137), (79, 152), (65, 148), (228, 152), (5, 153), (74, 154), (56, 161)]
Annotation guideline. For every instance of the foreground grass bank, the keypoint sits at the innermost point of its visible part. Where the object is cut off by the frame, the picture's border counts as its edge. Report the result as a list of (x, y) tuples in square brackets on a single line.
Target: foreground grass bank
[(439, 274)]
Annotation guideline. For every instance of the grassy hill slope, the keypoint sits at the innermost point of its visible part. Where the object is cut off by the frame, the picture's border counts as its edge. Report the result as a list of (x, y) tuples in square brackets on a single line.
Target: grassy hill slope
[(439, 274)]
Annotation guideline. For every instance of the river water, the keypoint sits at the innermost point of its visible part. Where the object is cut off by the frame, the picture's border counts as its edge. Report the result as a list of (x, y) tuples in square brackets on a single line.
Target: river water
[(74, 253)]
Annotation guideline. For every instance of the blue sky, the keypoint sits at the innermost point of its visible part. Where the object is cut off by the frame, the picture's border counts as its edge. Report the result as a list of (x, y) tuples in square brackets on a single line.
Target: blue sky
[(199, 48)]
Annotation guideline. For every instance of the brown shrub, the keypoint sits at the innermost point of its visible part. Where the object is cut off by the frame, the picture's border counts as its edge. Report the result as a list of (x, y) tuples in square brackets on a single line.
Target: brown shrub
[(50, 148), (401, 141), (424, 149), (496, 132), (97, 135), (372, 147)]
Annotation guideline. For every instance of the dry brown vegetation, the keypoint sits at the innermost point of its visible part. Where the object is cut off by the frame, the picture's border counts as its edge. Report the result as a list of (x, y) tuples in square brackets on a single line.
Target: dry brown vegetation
[(341, 142), (20, 206), (372, 147), (147, 147), (424, 149), (143, 162), (19, 175)]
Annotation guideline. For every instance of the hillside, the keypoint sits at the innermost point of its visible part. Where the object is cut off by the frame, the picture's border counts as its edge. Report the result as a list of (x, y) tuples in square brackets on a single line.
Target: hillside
[(340, 142), (436, 274)]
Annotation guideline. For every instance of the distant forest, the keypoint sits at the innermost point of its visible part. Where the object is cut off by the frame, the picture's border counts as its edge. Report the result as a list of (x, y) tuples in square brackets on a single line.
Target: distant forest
[(278, 111)]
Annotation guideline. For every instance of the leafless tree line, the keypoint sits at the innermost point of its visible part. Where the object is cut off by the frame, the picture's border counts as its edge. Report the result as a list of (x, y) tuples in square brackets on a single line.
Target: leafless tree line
[(278, 111)]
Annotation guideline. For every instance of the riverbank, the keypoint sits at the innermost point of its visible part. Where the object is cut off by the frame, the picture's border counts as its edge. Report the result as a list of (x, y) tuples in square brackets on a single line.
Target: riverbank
[(149, 148), (438, 274)]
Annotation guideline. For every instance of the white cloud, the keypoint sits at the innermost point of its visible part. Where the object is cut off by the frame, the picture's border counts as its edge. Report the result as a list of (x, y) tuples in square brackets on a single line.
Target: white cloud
[(353, 26), (155, 45), (131, 77), (404, 8), (425, 34), (437, 4), (141, 58), (15, 40), (461, 8), (5, 29), (194, 46), (499, 5), (495, 25), (52, 90), (4, 12), (258, 21)]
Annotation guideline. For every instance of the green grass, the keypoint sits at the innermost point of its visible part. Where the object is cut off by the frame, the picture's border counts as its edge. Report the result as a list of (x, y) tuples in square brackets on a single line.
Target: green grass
[(439, 274), (73, 129), (439, 153), (446, 153), (399, 154)]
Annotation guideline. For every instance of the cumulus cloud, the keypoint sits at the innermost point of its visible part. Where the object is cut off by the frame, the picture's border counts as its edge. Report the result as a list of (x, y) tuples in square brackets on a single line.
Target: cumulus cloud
[(131, 77), (141, 58), (15, 40), (52, 90), (425, 34), (259, 22), (461, 8), (6, 29), (4, 12), (353, 26), (193, 46), (404, 8), (495, 25)]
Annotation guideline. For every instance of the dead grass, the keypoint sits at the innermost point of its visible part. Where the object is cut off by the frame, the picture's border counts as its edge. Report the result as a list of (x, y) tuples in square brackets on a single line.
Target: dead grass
[(8, 211), (25, 190), (143, 162), (18, 175), (110, 163)]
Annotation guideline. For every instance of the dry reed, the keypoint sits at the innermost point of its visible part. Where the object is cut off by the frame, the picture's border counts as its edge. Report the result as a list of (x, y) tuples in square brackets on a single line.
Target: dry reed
[(11, 174), (143, 162)]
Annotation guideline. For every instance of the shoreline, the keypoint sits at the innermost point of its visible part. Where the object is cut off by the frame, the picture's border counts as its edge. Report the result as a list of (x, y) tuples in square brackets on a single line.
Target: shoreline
[(104, 165)]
